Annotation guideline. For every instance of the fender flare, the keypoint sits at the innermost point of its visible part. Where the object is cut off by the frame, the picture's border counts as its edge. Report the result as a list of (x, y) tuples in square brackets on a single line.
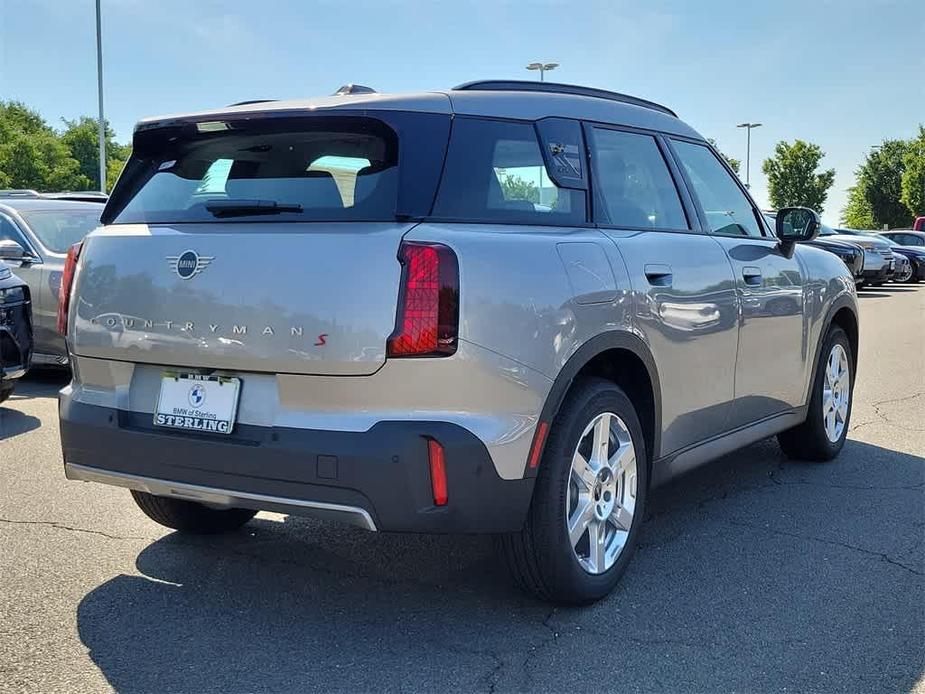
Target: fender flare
[(844, 300), (614, 339)]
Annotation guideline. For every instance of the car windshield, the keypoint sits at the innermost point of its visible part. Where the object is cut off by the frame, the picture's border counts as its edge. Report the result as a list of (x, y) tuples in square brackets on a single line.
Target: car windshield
[(60, 229)]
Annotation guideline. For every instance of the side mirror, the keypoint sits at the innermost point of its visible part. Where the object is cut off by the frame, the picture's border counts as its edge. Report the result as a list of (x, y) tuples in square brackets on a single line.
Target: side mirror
[(12, 251), (795, 224)]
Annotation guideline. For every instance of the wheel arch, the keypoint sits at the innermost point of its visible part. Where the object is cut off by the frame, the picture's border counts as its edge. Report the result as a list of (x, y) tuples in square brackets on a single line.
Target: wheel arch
[(843, 313), (620, 357)]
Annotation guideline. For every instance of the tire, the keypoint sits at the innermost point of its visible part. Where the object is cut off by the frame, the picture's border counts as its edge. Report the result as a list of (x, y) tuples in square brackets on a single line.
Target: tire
[(541, 557), (5, 392), (810, 440), (189, 516), (905, 277)]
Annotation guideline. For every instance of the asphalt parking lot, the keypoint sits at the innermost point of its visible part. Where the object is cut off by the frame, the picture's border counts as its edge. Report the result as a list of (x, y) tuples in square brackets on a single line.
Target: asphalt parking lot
[(754, 574)]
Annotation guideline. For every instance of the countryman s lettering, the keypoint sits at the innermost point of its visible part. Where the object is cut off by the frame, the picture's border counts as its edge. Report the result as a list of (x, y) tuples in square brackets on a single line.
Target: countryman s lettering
[(508, 308)]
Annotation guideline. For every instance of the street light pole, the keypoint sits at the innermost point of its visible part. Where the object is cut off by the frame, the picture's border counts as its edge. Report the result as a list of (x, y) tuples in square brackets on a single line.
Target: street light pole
[(748, 149), (542, 67), (99, 84)]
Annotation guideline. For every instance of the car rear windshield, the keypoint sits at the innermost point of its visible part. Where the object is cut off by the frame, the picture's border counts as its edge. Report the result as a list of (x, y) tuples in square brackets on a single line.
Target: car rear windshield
[(58, 230), (272, 169)]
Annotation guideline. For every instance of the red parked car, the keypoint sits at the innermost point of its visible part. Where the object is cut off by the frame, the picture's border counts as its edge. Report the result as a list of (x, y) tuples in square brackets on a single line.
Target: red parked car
[(919, 224)]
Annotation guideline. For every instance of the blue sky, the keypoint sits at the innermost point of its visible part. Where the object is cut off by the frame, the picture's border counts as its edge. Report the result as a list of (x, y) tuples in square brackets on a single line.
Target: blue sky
[(844, 74)]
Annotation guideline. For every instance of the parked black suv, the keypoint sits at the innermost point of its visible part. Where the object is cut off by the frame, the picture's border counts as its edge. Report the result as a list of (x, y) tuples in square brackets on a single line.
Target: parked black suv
[(15, 330)]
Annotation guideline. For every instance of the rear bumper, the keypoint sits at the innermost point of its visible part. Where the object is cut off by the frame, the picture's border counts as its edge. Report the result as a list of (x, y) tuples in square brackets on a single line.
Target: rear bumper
[(378, 479)]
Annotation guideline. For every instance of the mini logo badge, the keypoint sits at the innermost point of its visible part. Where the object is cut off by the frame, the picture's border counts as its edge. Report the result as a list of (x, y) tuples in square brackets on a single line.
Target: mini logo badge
[(189, 263), (197, 395)]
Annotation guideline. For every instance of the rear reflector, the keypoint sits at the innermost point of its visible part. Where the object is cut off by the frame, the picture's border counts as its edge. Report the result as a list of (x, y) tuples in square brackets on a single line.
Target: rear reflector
[(539, 440), (64, 291), (437, 472), (427, 322)]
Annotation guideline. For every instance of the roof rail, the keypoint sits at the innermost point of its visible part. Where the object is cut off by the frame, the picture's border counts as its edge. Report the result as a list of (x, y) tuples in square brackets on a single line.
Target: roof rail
[(251, 101), (19, 193), (556, 88), (78, 195)]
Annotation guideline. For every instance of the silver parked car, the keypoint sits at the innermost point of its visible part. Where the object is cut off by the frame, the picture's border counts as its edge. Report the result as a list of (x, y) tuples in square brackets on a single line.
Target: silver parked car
[(879, 263), (505, 308), (35, 232)]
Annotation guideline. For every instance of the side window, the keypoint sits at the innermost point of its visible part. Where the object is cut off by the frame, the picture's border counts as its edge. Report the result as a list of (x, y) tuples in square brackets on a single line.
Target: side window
[(633, 184), (495, 172), (728, 210)]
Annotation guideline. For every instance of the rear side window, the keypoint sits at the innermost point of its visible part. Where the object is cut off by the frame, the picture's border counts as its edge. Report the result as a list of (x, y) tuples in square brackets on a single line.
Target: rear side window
[(633, 184), (495, 172), (727, 208), (274, 169)]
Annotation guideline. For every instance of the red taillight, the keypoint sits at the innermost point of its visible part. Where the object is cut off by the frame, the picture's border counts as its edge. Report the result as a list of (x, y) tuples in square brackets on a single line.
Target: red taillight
[(64, 291), (427, 323), (437, 472)]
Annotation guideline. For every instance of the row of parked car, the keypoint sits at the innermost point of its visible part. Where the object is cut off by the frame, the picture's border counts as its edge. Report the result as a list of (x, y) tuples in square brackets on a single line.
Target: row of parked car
[(875, 257), (36, 230)]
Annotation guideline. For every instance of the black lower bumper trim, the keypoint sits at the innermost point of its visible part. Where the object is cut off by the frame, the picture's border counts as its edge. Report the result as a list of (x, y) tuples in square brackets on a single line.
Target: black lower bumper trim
[(384, 471)]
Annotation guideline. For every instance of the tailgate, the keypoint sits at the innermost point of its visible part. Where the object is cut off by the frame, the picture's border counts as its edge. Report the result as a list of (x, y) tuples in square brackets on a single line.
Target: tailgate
[(307, 298)]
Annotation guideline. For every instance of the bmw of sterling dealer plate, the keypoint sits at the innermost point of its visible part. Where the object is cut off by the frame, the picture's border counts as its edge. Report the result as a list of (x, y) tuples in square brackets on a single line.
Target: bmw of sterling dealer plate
[(197, 403)]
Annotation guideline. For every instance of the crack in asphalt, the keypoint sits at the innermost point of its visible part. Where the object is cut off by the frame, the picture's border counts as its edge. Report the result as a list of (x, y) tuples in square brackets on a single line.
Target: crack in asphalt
[(881, 555), (785, 483), (877, 405), (61, 526)]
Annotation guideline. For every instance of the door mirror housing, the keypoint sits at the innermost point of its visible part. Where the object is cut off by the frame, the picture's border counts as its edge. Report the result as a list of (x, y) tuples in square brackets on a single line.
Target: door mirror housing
[(796, 224), (11, 251)]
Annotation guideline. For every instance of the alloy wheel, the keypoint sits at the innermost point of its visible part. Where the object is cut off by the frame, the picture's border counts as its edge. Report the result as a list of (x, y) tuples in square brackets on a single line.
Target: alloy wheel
[(836, 393), (601, 499)]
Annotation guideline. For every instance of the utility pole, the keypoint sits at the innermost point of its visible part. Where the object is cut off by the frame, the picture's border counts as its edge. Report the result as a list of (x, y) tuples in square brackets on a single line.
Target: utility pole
[(99, 84), (748, 150)]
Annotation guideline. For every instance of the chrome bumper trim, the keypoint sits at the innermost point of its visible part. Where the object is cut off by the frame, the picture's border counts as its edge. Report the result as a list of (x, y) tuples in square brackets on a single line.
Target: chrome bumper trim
[(221, 497)]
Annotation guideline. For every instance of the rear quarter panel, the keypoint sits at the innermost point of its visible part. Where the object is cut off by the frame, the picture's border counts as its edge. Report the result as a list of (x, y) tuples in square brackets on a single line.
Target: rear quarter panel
[(535, 294)]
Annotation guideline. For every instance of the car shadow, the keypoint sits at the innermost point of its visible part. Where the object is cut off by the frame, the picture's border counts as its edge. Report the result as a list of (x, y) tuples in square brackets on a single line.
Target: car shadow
[(753, 573), (42, 383), (13, 422), (871, 294)]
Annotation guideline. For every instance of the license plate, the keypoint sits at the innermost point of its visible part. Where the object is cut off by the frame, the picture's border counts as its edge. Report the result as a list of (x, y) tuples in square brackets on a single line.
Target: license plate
[(197, 403)]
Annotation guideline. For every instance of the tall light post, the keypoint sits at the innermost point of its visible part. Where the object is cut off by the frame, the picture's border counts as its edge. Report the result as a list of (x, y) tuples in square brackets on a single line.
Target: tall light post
[(542, 67), (99, 85), (748, 149)]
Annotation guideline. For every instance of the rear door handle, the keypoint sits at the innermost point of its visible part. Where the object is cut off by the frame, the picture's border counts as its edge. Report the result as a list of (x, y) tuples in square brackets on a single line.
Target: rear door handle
[(752, 276), (659, 275)]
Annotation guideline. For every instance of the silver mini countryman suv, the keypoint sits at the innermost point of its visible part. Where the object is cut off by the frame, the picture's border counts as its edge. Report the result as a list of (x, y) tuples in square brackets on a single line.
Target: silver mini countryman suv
[(508, 308)]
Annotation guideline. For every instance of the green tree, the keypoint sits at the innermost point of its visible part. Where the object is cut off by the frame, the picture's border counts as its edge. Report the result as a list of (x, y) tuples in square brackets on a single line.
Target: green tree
[(734, 163), (913, 177), (792, 177), (31, 153), (517, 188), (858, 214), (880, 179), (82, 139)]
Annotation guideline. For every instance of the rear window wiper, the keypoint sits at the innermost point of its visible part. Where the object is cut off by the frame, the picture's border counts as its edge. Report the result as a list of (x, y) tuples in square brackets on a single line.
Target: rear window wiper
[(243, 208)]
